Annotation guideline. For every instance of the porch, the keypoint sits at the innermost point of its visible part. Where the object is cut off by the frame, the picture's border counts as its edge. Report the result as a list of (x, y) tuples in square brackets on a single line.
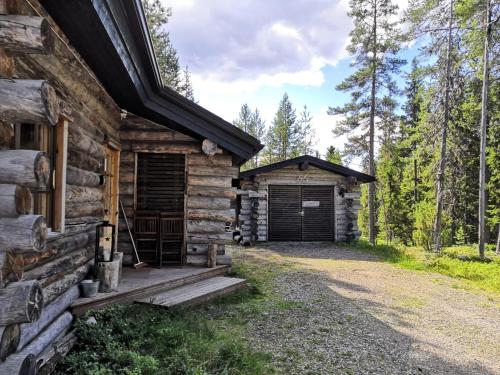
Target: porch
[(149, 284)]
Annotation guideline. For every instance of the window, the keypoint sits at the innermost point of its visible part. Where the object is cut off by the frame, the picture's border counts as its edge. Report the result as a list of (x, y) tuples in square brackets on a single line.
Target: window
[(49, 201), (38, 137)]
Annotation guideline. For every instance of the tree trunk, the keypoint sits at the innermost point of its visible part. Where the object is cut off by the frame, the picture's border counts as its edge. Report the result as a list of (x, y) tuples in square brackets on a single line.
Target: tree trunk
[(24, 167), (25, 100), (51, 311), (9, 340), (80, 177), (498, 241), (15, 200), (49, 334), (19, 364), (444, 136), (20, 302), (371, 151), (483, 131), (26, 34), (24, 233)]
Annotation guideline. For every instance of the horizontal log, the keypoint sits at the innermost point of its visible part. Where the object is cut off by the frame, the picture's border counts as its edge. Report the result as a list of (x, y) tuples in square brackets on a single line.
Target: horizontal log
[(81, 177), (83, 194), (24, 233), (51, 311), (58, 265), (15, 200), (212, 215), (215, 161), (9, 340), (200, 170), (209, 181), (56, 288), (205, 226), (78, 210), (210, 191), (156, 135), (201, 238), (177, 148), (25, 34), (78, 140), (28, 101), (208, 203), (82, 160), (19, 364), (47, 361), (58, 327), (24, 167), (21, 302)]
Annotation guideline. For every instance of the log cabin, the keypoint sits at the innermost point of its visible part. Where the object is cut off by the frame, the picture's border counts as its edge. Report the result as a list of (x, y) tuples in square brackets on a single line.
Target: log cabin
[(89, 134), (299, 199)]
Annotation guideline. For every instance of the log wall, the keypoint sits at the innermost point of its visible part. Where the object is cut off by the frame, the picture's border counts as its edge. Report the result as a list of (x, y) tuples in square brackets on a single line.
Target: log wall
[(208, 192), (253, 221), (53, 81)]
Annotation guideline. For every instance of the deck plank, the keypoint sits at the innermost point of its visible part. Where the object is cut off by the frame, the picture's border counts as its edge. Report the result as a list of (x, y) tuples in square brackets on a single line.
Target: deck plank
[(195, 293)]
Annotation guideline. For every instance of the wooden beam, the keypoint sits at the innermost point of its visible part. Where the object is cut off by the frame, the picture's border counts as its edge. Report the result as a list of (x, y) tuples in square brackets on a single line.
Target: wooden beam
[(26, 34), (15, 200), (26, 100), (21, 302), (60, 176), (19, 364), (24, 167), (24, 233), (81, 177)]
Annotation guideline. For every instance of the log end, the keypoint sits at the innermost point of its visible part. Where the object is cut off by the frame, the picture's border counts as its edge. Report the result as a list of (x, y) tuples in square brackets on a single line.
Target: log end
[(9, 340), (51, 103), (35, 303), (47, 37), (24, 200), (42, 169), (28, 365)]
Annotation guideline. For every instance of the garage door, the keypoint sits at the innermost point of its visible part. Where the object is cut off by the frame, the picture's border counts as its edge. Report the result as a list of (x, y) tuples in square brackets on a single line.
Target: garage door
[(301, 213)]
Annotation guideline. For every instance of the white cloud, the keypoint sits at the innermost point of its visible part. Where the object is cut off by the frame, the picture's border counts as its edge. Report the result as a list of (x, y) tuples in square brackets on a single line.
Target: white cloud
[(323, 125)]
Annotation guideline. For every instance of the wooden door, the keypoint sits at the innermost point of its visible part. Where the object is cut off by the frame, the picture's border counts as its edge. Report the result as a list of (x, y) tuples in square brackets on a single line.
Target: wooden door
[(161, 185), (285, 221), (301, 213)]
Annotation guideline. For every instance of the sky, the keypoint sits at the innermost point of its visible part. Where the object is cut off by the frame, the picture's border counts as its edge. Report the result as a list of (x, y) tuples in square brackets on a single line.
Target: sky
[(253, 51)]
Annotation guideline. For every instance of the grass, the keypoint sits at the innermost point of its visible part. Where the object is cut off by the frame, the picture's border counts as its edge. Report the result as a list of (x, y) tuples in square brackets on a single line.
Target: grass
[(141, 339), (459, 262)]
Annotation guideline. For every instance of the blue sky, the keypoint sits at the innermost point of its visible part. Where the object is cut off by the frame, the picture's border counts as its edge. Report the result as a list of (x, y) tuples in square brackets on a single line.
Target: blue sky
[(252, 51)]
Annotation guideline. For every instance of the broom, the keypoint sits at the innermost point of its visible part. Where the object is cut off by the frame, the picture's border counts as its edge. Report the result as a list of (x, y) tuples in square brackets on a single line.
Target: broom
[(139, 264)]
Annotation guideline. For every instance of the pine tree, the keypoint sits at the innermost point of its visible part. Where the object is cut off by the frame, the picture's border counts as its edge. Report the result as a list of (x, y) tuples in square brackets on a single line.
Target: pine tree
[(333, 155), (305, 144), (251, 123), (166, 55), (374, 45), (283, 137)]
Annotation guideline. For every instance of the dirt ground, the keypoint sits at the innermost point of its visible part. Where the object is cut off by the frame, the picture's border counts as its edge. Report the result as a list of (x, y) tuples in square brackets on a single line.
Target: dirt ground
[(346, 312)]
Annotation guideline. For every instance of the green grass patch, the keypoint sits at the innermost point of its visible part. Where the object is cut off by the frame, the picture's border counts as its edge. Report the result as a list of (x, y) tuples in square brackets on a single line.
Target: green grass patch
[(460, 262), (140, 339)]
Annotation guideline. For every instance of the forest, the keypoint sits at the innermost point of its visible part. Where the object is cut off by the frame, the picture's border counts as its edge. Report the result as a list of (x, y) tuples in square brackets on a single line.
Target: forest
[(428, 129)]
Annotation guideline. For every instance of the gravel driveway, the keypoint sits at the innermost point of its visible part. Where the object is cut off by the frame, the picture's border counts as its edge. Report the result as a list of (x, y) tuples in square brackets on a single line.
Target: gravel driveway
[(348, 313)]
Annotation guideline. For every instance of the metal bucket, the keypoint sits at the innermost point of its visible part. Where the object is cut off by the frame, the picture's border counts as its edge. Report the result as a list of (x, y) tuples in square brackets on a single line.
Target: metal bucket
[(89, 288)]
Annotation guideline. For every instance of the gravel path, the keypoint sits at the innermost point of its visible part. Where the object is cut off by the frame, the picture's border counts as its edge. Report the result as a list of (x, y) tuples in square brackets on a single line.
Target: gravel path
[(345, 312)]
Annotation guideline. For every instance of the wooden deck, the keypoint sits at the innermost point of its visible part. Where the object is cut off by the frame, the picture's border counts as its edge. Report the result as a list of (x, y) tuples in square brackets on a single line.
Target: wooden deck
[(143, 282), (196, 293)]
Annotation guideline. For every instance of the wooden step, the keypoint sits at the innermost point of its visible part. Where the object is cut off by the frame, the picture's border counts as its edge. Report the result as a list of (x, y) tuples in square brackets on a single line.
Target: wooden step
[(195, 293), (141, 283)]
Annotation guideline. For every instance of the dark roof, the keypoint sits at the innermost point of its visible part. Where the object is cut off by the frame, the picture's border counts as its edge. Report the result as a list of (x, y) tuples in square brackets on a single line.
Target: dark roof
[(112, 37), (319, 163)]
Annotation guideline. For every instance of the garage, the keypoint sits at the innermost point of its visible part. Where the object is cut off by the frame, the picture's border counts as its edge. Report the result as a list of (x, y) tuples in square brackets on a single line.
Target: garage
[(300, 199), (301, 213)]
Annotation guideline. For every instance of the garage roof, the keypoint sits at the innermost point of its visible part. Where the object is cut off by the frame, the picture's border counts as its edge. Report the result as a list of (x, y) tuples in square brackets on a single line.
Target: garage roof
[(311, 160), (113, 38)]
